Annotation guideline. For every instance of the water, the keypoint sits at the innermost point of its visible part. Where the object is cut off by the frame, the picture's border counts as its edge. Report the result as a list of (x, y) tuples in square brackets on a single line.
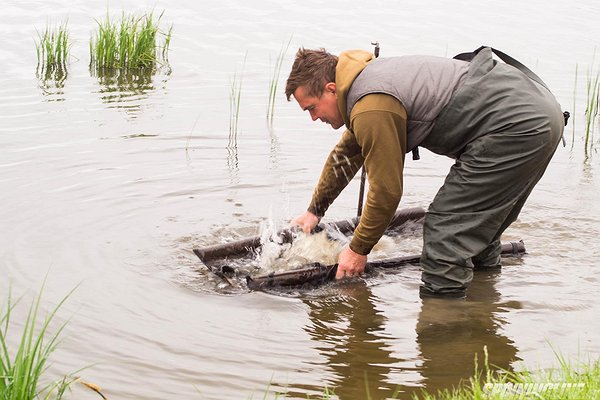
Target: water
[(110, 187)]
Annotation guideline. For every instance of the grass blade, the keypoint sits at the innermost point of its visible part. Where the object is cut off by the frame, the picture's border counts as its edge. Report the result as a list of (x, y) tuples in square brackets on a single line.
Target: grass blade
[(20, 372)]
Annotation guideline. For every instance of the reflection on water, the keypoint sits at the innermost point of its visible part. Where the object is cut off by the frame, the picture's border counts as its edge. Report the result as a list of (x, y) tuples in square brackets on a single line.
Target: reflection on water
[(127, 87), (350, 334), (273, 151), (52, 81), (233, 162), (587, 172), (452, 333)]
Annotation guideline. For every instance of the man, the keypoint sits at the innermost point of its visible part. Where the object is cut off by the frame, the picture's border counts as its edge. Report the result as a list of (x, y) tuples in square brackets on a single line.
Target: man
[(499, 122)]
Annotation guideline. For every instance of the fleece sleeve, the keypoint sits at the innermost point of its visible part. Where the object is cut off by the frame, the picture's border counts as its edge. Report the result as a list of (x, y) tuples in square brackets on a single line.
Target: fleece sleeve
[(342, 164), (379, 124)]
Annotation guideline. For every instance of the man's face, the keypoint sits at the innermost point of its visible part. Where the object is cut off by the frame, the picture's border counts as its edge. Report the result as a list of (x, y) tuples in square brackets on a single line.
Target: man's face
[(324, 107)]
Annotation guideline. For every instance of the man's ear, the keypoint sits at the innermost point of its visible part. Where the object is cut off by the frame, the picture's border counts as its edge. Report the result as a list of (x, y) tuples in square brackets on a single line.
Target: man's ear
[(330, 87)]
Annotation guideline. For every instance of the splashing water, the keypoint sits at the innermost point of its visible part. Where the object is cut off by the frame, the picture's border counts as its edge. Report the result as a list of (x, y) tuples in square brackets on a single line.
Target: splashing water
[(322, 247), (229, 275), (325, 246)]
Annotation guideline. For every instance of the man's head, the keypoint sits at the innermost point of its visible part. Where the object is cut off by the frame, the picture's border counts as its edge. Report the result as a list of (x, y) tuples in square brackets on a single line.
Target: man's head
[(312, 83)]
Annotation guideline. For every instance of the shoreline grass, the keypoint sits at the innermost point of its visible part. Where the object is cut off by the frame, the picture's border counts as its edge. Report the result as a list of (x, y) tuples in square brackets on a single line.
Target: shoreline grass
[(131, 43), (567, 382), (22, 369)]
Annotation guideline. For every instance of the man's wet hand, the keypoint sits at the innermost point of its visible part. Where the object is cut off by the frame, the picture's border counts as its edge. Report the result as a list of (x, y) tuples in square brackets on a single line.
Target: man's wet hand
[(306, 221), (350, 263)]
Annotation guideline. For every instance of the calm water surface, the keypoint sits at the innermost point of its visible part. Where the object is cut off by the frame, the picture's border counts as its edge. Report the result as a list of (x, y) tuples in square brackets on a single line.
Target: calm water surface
[(109, 187)]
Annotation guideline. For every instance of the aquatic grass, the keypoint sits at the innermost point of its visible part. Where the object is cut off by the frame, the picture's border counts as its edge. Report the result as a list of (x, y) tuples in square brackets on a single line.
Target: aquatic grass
[(235, 95), (167, 44), (235, 92), (275, 81), (21, 370), (574, 104), (131, 43), (187, 142), (53, 48), (591, 110)]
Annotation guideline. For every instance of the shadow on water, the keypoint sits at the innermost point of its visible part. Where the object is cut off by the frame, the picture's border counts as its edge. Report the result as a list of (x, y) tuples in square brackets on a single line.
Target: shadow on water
[(350, 333)]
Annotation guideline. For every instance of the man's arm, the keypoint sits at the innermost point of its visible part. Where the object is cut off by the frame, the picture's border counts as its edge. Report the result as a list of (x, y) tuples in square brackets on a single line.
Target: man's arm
[(342, 164), (379, 123)]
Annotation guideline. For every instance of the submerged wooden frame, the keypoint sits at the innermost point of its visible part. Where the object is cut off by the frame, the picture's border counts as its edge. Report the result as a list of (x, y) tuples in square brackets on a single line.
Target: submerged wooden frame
[(316, 273)]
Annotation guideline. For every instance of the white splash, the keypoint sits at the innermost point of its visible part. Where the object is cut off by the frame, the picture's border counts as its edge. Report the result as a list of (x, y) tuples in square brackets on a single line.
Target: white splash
[(325, 246)]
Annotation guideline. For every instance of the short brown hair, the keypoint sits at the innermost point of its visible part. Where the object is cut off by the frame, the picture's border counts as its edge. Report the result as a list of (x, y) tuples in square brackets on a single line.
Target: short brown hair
[(312, 69)]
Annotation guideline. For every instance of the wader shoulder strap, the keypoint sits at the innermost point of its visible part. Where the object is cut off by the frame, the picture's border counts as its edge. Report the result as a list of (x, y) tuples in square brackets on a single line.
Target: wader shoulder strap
[(507, 59), (511, 61)]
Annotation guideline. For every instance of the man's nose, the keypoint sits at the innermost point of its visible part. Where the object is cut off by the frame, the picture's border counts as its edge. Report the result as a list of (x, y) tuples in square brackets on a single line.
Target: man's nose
[(313, 115)]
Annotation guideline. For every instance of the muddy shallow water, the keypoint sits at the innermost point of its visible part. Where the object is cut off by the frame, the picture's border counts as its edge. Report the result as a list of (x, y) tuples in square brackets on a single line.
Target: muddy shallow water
[(110, 186)]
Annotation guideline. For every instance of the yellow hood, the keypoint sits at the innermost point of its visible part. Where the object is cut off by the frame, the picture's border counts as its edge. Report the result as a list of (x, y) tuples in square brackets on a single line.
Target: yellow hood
[(350, 64)]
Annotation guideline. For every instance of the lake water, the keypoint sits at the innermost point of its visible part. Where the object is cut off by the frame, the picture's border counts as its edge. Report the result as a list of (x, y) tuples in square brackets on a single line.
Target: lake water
[(107, 187)]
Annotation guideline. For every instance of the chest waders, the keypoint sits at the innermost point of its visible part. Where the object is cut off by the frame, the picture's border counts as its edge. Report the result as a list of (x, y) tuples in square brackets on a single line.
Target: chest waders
[(502, 128)]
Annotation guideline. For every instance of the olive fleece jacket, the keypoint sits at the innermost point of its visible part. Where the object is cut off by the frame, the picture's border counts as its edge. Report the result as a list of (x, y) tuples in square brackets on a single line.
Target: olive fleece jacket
[(375, 136)]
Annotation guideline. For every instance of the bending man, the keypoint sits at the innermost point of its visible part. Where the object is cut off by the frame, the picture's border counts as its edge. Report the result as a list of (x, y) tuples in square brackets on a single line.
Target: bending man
[(499, 122)]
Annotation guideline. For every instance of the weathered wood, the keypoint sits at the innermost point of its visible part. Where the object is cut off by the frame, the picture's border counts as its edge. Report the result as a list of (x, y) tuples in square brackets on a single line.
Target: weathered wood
[(315, 274), (240, 248)]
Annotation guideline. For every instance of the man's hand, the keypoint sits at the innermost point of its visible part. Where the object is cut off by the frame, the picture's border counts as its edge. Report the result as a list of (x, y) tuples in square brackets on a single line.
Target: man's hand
[(350, 263), (306, 221)]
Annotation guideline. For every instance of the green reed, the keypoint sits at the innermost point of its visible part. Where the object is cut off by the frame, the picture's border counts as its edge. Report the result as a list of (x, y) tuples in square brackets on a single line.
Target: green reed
[(22, 367), (235, 93), (52, 47), (574, 113), (275, 81), (235, 96), (591, 110), (132, 42)]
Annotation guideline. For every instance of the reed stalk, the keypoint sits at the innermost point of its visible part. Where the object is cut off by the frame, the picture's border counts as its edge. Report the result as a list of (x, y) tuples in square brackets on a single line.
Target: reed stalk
[(275, 81), (591, 110), (131, 43), (574, 104), (167, 44), (21, 369), (235, 95), (53, 48)]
